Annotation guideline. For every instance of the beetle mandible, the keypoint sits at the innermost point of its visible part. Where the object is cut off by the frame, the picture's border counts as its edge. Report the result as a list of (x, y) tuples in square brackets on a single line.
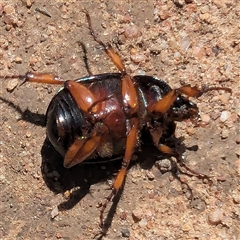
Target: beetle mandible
[(103, 115)]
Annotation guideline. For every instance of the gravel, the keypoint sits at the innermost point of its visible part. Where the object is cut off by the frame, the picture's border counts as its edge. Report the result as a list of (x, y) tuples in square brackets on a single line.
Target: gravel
[(181, 42)]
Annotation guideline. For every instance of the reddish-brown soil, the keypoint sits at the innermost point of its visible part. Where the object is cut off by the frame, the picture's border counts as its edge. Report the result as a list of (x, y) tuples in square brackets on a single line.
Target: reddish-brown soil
[(178, 41)]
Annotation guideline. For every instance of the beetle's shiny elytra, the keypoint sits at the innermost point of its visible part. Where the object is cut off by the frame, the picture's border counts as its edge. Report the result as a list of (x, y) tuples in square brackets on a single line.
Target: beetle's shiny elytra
[(104, 115)]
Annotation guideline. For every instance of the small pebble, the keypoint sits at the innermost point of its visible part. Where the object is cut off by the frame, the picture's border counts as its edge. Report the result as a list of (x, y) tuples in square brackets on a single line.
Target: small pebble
[(28, 134), (238, 111), (23, 144), (238, 139), (149, 175), (136, 174), (205, 118), (54, 212), (191, 130), (12, 84), (173, 43), (177, 56), (149, 186), (9, 9), (224, 116), (125, 233), (1, 9), (224, 97), (164, 12), (236, 197), (237, 163), (208, 51), (137, 214), (123, 215), (198, 52), (238, 152), (33, 60), (186, 227), (185, 43), (184, 178), (204, 9), (164, 165), (8, 27), (18, 60), (224, 133), (132, 31), (58, 235), (137, 58), (29, 3), (143, 223), (206, 17), (215, 217), (179, 3)]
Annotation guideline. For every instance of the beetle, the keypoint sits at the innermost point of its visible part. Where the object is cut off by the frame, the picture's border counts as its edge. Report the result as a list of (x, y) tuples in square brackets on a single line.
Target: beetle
[(104, 115)]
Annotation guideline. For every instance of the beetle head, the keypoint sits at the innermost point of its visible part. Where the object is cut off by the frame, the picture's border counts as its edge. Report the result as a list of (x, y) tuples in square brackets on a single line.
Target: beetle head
[(183, 109)]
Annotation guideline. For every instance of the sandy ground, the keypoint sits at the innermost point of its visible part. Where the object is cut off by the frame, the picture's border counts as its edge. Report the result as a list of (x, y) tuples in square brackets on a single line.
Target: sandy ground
[(179, 41)]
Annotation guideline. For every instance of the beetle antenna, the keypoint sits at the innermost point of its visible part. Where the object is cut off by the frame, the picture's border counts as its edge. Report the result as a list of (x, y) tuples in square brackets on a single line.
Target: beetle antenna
[(208, 89)]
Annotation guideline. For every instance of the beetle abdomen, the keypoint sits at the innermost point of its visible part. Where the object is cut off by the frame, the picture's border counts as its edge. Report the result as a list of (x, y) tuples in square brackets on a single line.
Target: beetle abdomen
[(64, 121)]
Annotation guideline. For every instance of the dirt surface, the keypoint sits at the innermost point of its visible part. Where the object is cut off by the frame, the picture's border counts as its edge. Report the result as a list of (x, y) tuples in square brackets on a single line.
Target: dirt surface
[(179, 41)]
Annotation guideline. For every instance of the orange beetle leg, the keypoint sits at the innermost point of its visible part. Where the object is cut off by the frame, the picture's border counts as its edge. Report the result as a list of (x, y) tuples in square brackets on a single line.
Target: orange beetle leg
[(130, 144), (163, 105), (128, 90), (84, 147), (83, 96), (115, 58), (129, 93), (41, 78), (167, 150), (195, 92), (107, 48), (190, 91), (80, 150), (72, 151)]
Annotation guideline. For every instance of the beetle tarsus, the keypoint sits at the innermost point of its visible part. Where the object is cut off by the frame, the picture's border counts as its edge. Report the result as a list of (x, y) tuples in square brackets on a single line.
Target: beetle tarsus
[(104, 205), (172, 152)]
